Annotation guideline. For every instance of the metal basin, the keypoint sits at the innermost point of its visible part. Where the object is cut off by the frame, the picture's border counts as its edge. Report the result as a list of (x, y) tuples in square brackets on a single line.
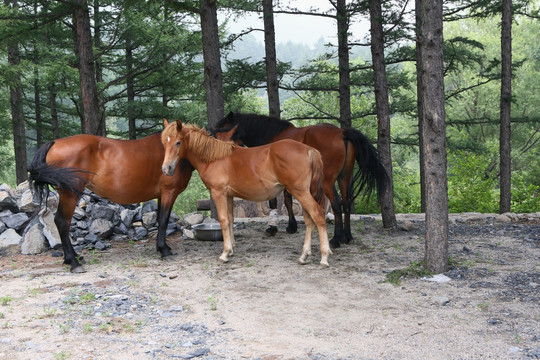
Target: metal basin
[(208, 232)]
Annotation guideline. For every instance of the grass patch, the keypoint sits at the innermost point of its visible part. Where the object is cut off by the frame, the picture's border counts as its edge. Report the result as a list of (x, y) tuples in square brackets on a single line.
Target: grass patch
[(415, 270)]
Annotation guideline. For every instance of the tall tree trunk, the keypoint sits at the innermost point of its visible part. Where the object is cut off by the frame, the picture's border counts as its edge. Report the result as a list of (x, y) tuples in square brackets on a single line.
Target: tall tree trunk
[(343, 64), (130, 89), (433, 127), (506, 98), (102, 128), (37, 95), (37, 103), (272, 85), (16, 100), (383, 111), (87, 74), (54, 112), (419, 104), (213, 78)]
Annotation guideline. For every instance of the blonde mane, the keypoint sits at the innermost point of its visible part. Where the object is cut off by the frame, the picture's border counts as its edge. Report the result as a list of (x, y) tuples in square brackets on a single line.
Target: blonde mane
[(200, 142)]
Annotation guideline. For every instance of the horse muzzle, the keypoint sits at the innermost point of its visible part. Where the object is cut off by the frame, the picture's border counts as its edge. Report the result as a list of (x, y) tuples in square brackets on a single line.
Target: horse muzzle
[(169, 169)]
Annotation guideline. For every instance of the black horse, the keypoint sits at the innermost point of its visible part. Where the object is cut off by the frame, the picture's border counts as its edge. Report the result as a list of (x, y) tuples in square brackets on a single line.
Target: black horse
[(340, 148)]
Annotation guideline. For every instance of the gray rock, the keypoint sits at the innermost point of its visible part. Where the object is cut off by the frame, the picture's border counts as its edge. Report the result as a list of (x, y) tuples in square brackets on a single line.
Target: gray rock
[(149, 206), (101, 227), (121, 229), (188, 233), (91, 239), (7, 202), (149, 219), (22, 187), (26, 202), (140, 233), (13, 221), (50, 231), (127, 215), (9, 237), (79, 213), (102, 212), (2, 227), (101, 245), (33, 241), (193, 219)]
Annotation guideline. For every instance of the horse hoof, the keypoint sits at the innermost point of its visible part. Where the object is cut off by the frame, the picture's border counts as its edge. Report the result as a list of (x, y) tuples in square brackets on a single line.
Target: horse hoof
[(334, 243), (291, 229), (78, 270), (271, 231), (223, 260), (325, 264)]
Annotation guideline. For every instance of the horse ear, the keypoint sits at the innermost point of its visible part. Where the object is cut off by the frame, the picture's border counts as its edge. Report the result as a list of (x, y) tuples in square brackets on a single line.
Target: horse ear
[(165, 123), (230, 115), (178, 125)]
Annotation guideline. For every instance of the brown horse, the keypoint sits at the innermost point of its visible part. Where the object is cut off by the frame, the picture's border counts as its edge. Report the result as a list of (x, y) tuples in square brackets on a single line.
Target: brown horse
[(122, 171), (339, 148), (256, 174)]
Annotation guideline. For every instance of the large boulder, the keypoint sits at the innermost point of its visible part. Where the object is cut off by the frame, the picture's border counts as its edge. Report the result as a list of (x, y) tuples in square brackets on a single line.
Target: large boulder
[(33, 241), (13, 221), (50, 231), (7, 200), (101, 227), (9, 237)]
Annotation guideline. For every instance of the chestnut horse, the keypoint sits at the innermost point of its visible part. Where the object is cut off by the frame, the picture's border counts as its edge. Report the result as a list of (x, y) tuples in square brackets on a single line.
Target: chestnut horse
[(256, 174), (122, 171), (339, 148)]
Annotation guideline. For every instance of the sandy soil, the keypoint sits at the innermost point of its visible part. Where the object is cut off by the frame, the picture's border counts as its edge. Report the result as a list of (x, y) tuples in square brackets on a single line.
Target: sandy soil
[(264, 305)]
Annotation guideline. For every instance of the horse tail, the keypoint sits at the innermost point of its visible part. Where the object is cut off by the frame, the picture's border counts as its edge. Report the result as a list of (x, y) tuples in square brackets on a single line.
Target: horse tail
[(42, 175), (317, 175), (371, 173)]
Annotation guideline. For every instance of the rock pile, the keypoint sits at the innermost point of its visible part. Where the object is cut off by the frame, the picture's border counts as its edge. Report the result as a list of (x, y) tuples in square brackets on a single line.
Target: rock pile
[(30, 229)]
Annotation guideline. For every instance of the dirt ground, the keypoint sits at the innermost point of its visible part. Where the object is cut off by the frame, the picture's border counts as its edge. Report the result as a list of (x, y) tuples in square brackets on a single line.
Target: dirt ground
[(264, 305)]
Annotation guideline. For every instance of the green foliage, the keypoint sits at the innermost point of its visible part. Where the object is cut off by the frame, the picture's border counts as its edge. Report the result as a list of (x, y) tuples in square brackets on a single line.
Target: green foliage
[(186, 202), (415, 270), (525, 196), (470, 185)]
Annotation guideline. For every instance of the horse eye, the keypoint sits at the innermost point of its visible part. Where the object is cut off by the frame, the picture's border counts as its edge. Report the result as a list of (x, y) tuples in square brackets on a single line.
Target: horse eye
[(178, 143)]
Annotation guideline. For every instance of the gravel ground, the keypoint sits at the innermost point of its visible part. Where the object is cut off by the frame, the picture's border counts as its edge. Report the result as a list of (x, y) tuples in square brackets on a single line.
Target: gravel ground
[(263, 305)]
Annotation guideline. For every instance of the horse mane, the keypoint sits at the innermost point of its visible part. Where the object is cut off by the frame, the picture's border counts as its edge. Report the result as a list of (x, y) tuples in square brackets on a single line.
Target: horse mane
[(253, 129), (200, 142)]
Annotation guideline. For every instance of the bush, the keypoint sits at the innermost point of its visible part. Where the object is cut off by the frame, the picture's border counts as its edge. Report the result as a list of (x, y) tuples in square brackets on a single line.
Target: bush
[(525, 197), (470, 187)]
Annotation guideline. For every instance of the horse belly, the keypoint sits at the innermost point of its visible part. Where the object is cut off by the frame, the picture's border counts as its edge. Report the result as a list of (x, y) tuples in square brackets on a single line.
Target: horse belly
[(256, 191)]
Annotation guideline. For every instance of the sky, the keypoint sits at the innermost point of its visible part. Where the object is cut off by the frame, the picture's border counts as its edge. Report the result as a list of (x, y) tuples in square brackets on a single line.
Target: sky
[(299, 28)]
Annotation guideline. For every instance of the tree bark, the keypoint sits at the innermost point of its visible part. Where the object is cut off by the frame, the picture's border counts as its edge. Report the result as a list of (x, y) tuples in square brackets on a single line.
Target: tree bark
[(130, 87), (419, 104), (54, 112), (506, 102), (213, 78), (272, 85), (102, 128), (343, 64), (383, 112), (16, 101), (433, 126), (37, 94), (87, 74)]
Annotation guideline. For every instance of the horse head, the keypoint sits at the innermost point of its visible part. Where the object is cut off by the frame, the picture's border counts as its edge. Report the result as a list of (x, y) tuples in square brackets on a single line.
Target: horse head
[(171, 137)]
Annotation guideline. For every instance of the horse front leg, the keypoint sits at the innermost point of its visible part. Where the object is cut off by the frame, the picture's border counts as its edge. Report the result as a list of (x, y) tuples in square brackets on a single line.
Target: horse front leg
[(62, 219), (226, 225), (164, 213)]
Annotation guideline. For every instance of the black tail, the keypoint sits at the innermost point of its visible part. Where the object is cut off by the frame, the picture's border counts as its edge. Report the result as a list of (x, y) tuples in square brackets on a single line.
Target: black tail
[(42, 175), (371, 173)]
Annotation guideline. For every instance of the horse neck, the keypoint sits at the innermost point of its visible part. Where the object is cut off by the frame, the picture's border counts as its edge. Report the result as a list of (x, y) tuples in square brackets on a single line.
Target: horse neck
[(257, 132)]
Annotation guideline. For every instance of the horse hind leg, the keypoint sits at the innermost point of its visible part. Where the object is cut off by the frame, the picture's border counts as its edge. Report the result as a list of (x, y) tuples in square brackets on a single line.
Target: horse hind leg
[(62, 219), (335, 201), (306, 249), (314, 214), (272, 229)]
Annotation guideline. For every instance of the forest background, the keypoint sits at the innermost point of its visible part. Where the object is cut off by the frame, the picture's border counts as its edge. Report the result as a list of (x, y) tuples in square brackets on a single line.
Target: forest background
[(148, 62)]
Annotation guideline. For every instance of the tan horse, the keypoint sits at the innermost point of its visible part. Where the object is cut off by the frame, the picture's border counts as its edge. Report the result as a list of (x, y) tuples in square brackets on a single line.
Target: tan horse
[(255, 174)]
